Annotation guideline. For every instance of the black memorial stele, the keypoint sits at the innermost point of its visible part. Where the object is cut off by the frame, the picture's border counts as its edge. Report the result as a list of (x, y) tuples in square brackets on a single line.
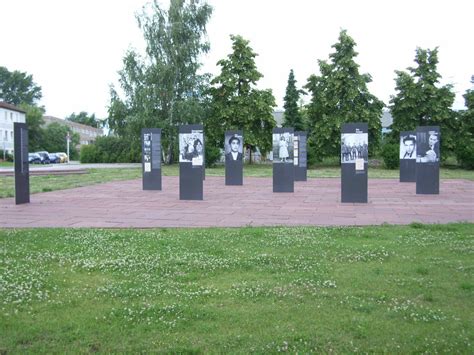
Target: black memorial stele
[(300, 156), (22, 169), (151, 158), (234, 158), (354, 162), (427, 159), (191, 164), (408, 156), (283, 168)]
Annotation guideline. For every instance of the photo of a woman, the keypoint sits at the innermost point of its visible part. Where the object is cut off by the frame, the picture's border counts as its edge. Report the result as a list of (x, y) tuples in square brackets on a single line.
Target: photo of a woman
[(283, 147), (428, 147), (191, 148)]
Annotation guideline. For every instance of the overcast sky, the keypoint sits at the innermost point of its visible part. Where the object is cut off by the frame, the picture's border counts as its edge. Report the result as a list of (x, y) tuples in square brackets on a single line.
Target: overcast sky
[(74, 48)]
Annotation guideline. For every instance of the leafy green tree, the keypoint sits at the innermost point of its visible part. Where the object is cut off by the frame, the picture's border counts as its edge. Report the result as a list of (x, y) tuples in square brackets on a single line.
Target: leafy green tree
[(84, 118), (54, 139), (18, 87), (464, 147), (293, 116), (162, 89), (237, 104), (421, 101), (340, 95), (34, 120)]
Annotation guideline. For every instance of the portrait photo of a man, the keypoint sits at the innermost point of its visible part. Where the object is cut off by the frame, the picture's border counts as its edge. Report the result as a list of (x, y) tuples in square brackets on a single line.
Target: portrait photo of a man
[(233, 148), (408, 146)]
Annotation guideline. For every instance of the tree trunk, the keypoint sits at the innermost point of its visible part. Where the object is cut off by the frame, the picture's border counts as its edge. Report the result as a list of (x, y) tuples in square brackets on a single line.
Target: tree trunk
[(170, 152)]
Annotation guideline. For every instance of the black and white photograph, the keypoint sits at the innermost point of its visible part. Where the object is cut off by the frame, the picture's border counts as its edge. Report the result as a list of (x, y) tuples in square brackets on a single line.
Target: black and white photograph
[(354, 146), (283, 147), (147, 152), (428, 147), (191, 147), (296, 149), (233, 147), (408, 146), (147, 139)]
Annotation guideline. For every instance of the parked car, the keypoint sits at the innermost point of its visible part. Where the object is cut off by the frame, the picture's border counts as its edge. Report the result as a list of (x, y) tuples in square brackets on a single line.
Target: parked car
[(34, 158), (44, 157), (63, 157), (54, 159)]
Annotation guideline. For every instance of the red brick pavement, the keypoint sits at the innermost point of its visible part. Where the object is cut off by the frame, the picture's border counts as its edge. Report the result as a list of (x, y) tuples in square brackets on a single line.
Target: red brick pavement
[(315, 202)]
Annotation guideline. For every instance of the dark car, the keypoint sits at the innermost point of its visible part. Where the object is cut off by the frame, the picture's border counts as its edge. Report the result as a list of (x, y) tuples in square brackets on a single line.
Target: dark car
[(34, 158), (54, 159), (44, 157)]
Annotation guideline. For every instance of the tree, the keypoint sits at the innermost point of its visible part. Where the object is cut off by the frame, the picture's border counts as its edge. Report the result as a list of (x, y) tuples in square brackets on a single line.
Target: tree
[(163, 89), (84, 118), (54, 139), (420, 101), (293, 117), (34, 120), (18, 87), (464, 146), (340, 95), (237, 104)]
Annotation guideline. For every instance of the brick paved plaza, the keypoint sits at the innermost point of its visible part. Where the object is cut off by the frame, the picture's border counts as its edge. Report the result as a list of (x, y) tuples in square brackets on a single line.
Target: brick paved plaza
[(315, 202)]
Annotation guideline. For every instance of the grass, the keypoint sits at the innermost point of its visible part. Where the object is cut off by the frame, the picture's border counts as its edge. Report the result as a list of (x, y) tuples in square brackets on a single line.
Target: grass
[(388, 289), (47, 183), (96, 176)]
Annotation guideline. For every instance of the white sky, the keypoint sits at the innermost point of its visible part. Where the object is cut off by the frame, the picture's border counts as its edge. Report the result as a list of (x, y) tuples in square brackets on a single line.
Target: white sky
[(74, 48)]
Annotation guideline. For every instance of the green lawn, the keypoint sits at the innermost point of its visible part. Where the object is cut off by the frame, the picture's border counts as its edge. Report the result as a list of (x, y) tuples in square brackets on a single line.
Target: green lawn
[(381, 289), (95, 176), (60, 182)]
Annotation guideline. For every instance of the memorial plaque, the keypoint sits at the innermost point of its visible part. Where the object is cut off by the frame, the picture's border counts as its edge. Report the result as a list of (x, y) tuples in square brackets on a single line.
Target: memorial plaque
[(191, 162), (234, 158), (427, 159), (354, 162), (408, 156), (22, 169), (283, 168), (151, 158), (300, 156)]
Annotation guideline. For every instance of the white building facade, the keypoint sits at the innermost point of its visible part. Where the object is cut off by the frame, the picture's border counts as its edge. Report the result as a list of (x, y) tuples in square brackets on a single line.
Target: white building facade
[(8, 115)]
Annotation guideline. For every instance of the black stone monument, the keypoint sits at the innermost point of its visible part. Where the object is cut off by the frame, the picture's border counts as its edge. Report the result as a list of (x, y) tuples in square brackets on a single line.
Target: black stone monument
[(283, 168), (191, 162), (427, 159), (300, 156), (354, 162), (22, 169), (151, 158), (408, 156), (234, 157)]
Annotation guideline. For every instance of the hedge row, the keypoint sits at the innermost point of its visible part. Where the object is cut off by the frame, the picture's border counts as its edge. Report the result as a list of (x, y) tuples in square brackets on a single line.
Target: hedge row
[(111, 150)]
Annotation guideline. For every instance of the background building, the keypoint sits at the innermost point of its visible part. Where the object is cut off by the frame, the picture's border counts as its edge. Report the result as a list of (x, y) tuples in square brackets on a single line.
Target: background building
[(387, 121), (87, 134), (8, 115)]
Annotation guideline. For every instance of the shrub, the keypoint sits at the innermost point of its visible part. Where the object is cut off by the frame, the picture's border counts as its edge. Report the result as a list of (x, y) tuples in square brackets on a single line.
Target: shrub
[(7, 156), (212, 155), (89, 154), (465, 153), (111, 150), (391, 155)]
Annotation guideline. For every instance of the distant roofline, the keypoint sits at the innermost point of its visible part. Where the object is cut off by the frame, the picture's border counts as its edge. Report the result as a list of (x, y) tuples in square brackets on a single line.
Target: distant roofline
[(11, 107), (72, 123)]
